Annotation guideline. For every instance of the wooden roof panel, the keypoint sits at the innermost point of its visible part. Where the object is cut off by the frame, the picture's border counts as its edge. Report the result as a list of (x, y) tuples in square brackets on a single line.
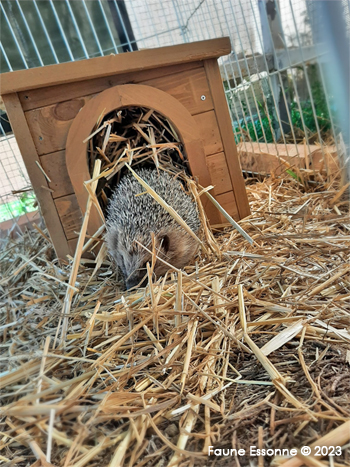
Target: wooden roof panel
[(81, 70)]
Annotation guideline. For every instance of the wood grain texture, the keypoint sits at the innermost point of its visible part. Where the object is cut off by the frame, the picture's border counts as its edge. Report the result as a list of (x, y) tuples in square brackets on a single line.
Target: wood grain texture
[(210, 132), (49, 125), (187, 87), (225, 127), (227, 201), (70, 214), (110, 65), (38, 180), (54, 165), (219, 173), (72, 243), (267, 158), (35, 98), (124, 96)]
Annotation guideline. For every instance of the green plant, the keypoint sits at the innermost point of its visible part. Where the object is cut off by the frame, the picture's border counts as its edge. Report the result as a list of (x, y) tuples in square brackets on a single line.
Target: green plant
[(18, 207), (252, 129), (320, 104)]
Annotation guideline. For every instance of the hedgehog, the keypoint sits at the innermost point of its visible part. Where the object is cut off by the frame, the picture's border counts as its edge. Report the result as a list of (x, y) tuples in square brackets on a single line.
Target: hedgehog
[(131, 219)]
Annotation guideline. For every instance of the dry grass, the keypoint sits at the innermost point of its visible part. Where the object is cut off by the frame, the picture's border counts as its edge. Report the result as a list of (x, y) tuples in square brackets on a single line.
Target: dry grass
[(135, 136), (247, 347)]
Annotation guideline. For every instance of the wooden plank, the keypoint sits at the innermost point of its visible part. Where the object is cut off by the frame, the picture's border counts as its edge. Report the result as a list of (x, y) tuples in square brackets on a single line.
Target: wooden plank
[(224, 121), (54, 165), (87, 255), (38, 180), (70, 215), (210, 132), (219, 173), (35, 98), (110, 65), (72, 243), (267, 158), (49, 125), (188, 88), (228, 202)]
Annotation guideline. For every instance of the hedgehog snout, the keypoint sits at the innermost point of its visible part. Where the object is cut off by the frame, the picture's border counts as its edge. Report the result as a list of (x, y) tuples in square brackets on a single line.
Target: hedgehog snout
[(134, 281), (136, 270)]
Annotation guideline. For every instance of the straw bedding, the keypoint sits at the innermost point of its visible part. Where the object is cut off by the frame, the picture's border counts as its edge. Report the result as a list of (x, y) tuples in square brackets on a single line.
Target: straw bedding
[(246, 347)]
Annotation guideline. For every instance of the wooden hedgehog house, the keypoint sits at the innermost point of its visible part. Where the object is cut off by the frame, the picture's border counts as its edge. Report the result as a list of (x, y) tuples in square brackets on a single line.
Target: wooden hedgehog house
[(53, 110)]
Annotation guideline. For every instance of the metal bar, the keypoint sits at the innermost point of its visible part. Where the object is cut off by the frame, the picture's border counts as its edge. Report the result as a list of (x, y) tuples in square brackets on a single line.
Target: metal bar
[(5, 57), (131, 5), (296, 93), (252, 86), (25, 176), (45, 31), (61, 31), (271, 30), (216, 10), (230, 91), (309, 88), (14, 36), (76, 27), (200, 10), (238, 120), (278, 71), (150, 20), (195, 35), (306, 53), (241, 77), (323, 81), (337, 36), (269, 62), (125, 32), (265, 62), (108, 27), (92, 28), (30, 33), (258, 72), (183, 33), (169, 30), (319, 36), (253, 63)]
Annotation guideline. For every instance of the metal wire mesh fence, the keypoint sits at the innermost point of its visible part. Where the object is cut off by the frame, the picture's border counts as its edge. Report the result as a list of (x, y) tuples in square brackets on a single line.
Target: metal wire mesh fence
[(274, 78)]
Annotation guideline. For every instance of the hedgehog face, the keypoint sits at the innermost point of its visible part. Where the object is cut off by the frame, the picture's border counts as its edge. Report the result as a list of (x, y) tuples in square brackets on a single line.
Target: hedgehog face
[(127, 255), (133, 264), (177, 248)]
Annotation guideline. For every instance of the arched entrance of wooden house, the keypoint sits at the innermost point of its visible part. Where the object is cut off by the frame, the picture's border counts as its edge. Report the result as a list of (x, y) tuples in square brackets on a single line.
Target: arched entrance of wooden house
[(125, 96)]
